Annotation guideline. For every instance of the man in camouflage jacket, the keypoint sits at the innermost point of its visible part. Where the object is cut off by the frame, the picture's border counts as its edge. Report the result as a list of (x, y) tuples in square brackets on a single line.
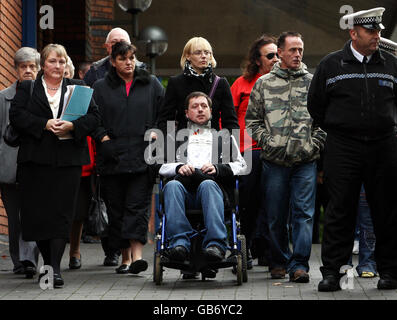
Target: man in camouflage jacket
[(277, 118)]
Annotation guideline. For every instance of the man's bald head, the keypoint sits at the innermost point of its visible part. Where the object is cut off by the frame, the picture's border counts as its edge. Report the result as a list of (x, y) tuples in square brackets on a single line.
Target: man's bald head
[(116, 35)]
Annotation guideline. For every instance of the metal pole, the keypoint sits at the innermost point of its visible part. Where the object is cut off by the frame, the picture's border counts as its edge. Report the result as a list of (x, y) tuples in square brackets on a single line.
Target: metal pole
[(135, 29), (153, 65)]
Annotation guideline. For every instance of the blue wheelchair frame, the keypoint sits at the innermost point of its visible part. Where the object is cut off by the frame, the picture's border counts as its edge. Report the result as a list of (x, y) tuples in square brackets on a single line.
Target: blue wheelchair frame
[(237, 245)]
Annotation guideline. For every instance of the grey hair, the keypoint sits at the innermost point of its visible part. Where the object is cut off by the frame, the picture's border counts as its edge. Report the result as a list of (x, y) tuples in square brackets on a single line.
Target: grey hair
[(69, 64), (27, 54), (121, 31)]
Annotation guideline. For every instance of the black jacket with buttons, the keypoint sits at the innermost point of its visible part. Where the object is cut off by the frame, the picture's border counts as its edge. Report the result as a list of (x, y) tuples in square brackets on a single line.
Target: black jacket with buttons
[(29, 115), (125, 120), (353, 99)]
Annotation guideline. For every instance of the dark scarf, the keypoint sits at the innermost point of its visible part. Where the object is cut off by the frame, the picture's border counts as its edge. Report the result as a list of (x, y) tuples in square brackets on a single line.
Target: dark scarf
[(190, 72)]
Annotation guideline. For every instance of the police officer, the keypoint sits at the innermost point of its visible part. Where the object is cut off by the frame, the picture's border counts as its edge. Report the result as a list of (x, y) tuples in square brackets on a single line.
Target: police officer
[(353, 96), (388, 45)]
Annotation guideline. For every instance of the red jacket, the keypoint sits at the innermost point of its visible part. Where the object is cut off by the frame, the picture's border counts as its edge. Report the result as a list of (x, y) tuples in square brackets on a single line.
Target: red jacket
[(89, 168), (241, 90)]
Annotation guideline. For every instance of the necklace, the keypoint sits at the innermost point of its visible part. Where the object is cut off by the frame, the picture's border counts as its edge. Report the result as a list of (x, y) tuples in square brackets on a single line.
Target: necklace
[(53, 88)]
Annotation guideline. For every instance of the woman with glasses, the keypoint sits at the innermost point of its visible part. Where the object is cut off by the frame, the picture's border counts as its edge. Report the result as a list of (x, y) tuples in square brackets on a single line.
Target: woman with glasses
[(261, 57), (197, 63)]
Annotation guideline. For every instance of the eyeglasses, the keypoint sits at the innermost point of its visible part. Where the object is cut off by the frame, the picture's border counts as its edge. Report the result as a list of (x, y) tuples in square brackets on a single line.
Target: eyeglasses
[(270, 55), (200, 52)]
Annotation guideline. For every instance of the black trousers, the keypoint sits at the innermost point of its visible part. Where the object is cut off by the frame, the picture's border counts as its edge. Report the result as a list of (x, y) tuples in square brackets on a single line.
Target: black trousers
[(347, 164), (253, 216), (128, 198)]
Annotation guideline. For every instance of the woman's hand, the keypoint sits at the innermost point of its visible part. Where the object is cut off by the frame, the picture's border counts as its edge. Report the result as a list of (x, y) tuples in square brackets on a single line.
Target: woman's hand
[(105, 138), (208, 168), (186, 170), (59, 127)]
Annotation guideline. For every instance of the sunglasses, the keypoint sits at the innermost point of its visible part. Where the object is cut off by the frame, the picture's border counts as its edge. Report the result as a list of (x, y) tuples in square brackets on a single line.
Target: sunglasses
[(270, 55)]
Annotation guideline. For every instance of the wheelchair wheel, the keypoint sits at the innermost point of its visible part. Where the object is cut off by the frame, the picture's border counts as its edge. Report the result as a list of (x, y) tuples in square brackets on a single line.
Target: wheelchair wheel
[(239, 270), (244, 256), (157, 270)]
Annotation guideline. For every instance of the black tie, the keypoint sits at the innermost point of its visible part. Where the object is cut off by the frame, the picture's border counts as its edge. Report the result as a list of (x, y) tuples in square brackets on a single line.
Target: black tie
[(365, 60)]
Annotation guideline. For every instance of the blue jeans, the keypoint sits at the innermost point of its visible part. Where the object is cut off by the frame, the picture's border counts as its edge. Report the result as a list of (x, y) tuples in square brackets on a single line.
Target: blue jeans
[(209, 198), (290, 189), (366, 258)]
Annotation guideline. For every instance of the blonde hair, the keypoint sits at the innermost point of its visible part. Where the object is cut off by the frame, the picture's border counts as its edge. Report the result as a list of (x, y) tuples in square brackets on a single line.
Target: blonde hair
[(58, 48), (194, 44), (70, 66)]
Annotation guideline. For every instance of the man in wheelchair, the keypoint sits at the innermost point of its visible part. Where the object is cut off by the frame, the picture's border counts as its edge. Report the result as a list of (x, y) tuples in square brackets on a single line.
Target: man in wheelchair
[(201, 178)]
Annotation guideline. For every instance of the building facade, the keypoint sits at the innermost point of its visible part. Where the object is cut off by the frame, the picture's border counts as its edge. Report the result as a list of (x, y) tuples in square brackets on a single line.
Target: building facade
[(229, 25)]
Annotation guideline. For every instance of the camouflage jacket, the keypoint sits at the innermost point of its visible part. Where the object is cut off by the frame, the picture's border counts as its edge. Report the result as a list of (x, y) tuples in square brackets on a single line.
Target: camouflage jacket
[(277, 117)]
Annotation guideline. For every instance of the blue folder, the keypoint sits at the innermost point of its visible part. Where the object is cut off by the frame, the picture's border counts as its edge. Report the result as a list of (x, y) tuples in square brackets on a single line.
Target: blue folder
[(78, 103)]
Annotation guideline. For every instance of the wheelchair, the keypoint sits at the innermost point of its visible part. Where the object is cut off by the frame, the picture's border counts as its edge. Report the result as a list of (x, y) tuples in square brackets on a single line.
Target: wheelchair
[(197, 262)]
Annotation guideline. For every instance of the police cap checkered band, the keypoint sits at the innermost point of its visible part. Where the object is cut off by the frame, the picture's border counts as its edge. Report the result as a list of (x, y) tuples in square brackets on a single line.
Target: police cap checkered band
[(367, 20), (370, 19)]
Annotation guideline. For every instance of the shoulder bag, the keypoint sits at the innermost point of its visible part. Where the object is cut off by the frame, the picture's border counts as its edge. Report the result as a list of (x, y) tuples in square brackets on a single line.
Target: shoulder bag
[(11, 135)]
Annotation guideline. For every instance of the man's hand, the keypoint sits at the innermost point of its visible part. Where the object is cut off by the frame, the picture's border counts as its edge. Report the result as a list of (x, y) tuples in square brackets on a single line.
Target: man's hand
[(186, 170), (320, 177), (208, 168)]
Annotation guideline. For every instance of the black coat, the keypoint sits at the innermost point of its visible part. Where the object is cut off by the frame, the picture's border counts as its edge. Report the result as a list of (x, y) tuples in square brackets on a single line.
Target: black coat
[(29, 115), (179, 88), (97, 71), (125, 120), (353, 99)]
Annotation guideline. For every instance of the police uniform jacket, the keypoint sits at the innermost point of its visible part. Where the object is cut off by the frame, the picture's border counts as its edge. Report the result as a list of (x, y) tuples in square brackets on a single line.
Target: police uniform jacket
[(353, 99)]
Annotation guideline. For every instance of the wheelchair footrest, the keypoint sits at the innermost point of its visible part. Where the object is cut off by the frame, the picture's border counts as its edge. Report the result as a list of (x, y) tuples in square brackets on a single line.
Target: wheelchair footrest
[(166, 262), (225, 263)]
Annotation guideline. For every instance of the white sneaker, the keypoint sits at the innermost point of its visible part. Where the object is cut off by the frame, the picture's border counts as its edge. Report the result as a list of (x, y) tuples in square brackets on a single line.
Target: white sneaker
[(356, 247)]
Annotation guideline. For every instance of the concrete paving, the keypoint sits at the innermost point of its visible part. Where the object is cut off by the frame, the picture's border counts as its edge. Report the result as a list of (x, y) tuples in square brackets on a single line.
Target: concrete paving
[(96, 282)]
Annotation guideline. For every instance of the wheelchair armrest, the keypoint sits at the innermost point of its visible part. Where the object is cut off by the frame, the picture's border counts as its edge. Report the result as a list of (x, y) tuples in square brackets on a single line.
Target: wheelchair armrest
[(236, 190)]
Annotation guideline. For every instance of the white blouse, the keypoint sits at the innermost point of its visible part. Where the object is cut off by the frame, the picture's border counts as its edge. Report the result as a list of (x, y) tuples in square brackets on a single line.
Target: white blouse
[(54, 100)]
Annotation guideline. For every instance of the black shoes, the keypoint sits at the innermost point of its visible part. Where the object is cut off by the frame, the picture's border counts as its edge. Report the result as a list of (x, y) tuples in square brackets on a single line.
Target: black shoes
[(329, 283), (214, 253), (58, 281), (30, 271), (19, 270), (75, 263), (111, 260), (123, 269), (138, 266), (299, 276), (90, 239), (387, 282), (178, 253)]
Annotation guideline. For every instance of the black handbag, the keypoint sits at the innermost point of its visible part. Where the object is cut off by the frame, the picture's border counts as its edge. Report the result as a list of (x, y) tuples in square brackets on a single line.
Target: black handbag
[(11, 135), (97, 221)]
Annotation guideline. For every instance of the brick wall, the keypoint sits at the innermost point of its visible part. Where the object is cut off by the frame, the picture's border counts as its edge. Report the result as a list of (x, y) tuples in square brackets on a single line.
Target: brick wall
[(3, 220), (10, 42), (96, 35), (10, 38)]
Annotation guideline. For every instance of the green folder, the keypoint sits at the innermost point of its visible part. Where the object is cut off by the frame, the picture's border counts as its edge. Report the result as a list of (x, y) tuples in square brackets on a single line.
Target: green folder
[(77, 103)]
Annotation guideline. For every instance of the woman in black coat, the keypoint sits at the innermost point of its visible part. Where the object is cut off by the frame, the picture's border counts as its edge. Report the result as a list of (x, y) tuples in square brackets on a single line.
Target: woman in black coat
[(128, 99), (197, 62), (50, 157)]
